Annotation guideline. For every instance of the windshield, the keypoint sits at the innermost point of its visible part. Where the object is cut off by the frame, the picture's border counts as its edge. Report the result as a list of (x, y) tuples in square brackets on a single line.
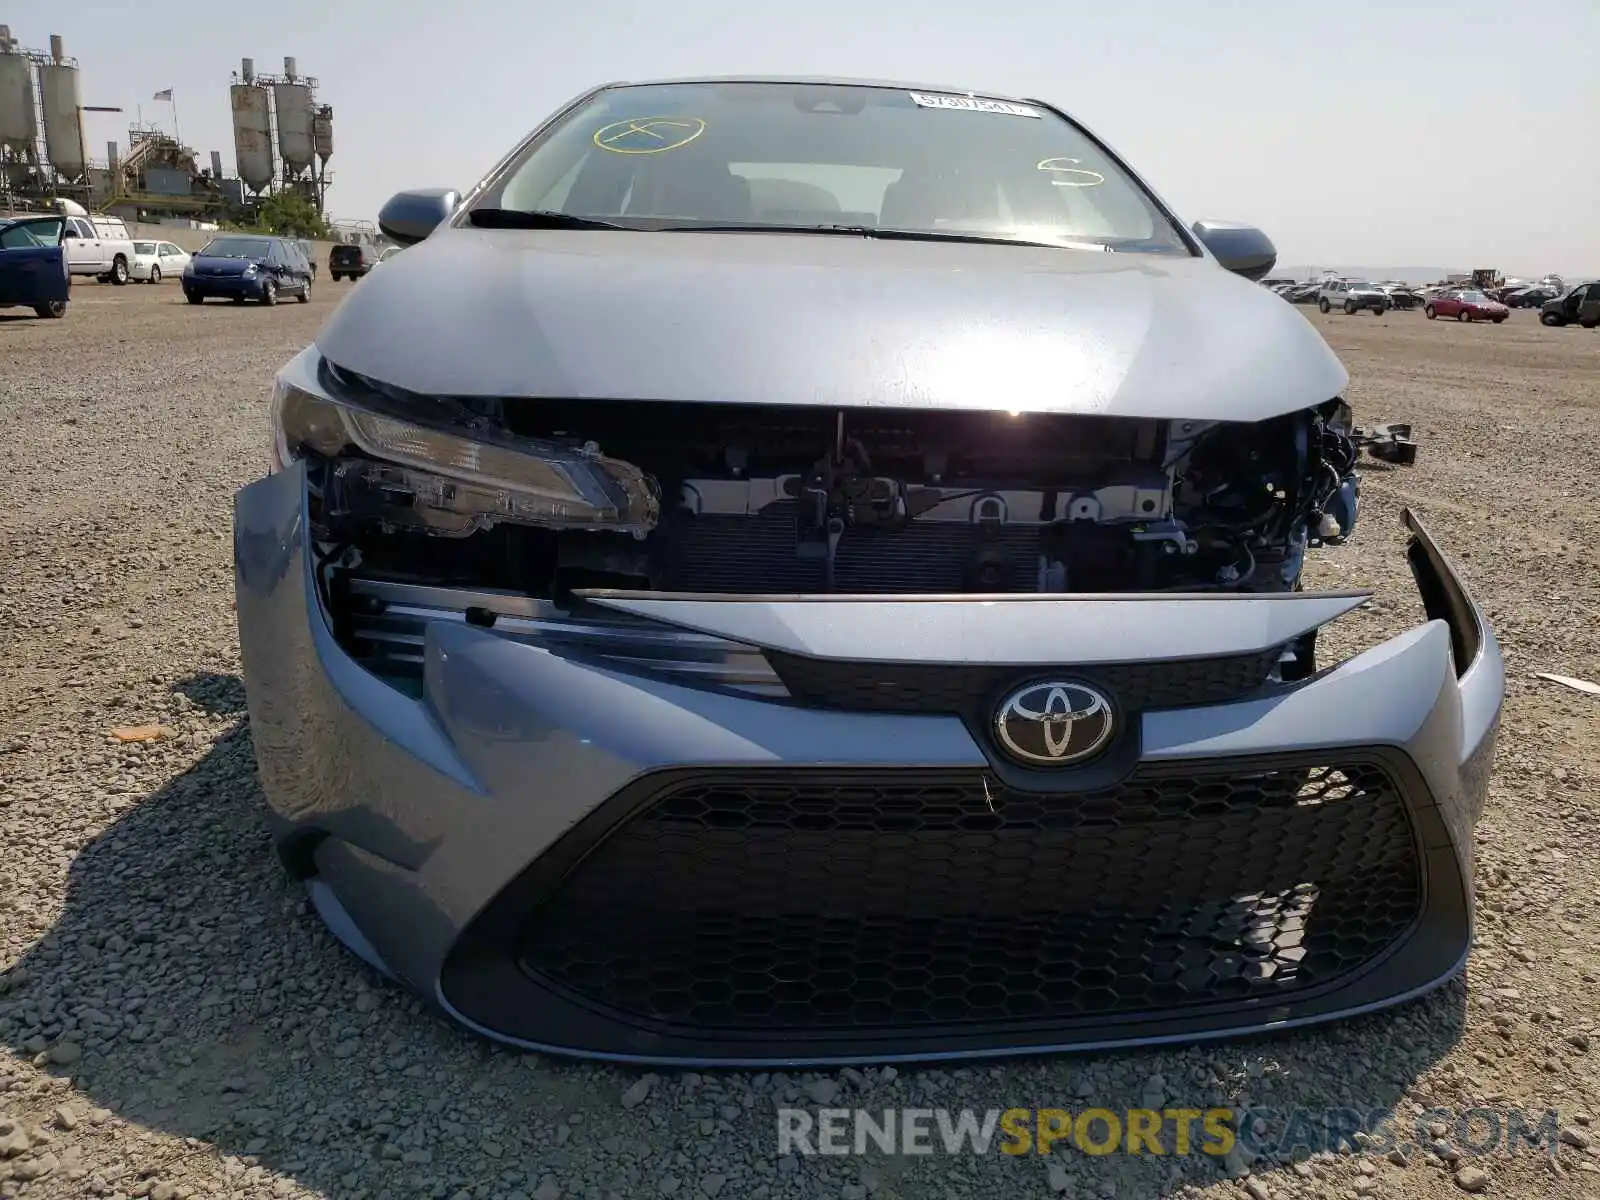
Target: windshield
[(144, 247), (806, 156), (236, 247), (26, 235)]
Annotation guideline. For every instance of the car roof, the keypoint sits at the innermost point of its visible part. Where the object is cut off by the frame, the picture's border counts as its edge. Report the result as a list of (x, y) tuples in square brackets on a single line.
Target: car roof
[(824, 81)]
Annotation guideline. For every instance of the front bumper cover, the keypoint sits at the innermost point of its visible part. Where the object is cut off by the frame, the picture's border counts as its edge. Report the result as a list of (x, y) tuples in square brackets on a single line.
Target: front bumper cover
[(245, 286), (420, 821)]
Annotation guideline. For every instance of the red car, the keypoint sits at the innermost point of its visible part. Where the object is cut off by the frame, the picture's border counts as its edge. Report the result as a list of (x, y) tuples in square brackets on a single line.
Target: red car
[(1464, 304)]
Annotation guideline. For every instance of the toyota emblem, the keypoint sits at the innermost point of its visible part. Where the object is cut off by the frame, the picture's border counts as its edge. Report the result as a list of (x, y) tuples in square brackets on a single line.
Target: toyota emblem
[(1054, 724)]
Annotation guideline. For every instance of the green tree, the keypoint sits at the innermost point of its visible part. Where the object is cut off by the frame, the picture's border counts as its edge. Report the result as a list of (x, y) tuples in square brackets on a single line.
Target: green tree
[(292, 215)]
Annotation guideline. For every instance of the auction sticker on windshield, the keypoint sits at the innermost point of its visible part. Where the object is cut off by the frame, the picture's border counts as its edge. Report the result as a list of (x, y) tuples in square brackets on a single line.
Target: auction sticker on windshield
[(1065, 172), (648, 135), (973, 104)]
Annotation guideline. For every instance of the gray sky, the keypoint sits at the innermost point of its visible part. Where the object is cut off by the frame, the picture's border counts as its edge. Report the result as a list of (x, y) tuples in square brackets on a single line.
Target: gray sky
[(1451, 133)]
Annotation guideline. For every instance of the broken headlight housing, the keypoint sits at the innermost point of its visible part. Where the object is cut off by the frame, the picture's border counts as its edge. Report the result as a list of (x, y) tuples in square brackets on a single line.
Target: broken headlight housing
[(405, 472)]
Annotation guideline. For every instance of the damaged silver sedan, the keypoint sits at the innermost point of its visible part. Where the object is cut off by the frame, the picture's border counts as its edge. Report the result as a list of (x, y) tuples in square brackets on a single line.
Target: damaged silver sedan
[(796, 571)]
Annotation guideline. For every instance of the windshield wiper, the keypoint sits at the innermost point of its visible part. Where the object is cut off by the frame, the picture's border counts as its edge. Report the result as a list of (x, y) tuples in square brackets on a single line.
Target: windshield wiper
[(511, 218), (886, 234)]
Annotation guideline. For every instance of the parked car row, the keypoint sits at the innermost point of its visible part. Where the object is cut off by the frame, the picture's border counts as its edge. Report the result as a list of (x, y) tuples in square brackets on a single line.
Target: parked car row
[(1349, 295), (40, 254), (1577, 306)]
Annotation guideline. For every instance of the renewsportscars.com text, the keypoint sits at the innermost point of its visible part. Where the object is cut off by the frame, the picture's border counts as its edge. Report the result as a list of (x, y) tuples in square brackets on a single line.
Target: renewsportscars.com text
[(1167, 1131)]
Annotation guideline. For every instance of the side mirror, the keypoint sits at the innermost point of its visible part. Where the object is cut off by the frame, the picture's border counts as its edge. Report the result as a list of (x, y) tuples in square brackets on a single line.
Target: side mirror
[(408, 217), (68, 232), (1242, 249)]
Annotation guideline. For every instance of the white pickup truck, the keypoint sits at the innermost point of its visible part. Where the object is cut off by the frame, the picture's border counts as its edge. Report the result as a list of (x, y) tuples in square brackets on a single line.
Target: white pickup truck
[(98, 246)]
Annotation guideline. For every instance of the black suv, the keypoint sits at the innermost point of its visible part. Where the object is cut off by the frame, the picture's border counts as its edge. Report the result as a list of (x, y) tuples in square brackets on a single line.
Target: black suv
[(352, 262)]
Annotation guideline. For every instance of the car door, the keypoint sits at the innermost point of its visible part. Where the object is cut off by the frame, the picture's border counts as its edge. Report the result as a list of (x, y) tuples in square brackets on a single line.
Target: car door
[(289, 266), (289, 256), (1446, 304), (107, 233), (173, 259), (288, 274), (302, 266), (1586, 306), (273, 265), (82, 247), (33, 265)]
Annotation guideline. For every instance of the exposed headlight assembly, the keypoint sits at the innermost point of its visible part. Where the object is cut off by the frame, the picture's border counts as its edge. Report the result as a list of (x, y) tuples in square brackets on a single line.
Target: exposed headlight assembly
[(408, 474)]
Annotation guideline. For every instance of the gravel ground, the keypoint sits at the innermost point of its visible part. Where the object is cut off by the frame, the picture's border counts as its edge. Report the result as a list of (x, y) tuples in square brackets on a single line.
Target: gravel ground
[(173, 1021)]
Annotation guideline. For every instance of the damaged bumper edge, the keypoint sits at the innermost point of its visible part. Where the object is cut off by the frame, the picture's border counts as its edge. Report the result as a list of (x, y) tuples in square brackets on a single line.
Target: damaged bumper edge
[(435, 825)]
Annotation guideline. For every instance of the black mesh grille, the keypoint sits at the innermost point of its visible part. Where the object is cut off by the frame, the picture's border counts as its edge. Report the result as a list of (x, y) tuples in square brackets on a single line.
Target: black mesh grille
[(793, 900), (920, 687)]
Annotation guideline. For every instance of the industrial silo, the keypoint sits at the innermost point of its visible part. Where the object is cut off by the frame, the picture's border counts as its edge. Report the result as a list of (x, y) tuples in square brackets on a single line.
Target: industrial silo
[(322, 132), (19, 128), (296, 140), (252, 130), (61, 99)]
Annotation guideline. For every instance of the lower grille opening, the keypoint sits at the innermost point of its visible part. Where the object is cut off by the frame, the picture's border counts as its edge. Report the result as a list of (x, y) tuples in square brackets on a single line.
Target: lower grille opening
[(815, 902)]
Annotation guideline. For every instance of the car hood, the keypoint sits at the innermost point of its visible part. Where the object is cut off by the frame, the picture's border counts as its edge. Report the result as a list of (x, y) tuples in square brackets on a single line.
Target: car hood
[(829, 320)]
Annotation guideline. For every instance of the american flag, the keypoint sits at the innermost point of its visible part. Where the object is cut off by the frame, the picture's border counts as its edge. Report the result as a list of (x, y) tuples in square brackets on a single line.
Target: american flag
[(166, 95)]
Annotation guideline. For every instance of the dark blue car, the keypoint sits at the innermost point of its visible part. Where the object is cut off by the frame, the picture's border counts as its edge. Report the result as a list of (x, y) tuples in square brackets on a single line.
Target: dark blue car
[(33, 267), (248, 267)]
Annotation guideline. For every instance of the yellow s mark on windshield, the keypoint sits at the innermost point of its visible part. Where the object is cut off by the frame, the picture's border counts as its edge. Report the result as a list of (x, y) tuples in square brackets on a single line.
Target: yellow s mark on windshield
[(1065, 172), (648, 135)]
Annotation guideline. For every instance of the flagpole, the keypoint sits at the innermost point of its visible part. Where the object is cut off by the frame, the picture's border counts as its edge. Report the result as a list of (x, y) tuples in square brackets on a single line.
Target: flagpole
[(176, 135)]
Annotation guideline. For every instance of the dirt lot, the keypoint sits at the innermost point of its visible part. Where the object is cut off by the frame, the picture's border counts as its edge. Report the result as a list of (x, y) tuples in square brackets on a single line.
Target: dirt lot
[(174, 1023)]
